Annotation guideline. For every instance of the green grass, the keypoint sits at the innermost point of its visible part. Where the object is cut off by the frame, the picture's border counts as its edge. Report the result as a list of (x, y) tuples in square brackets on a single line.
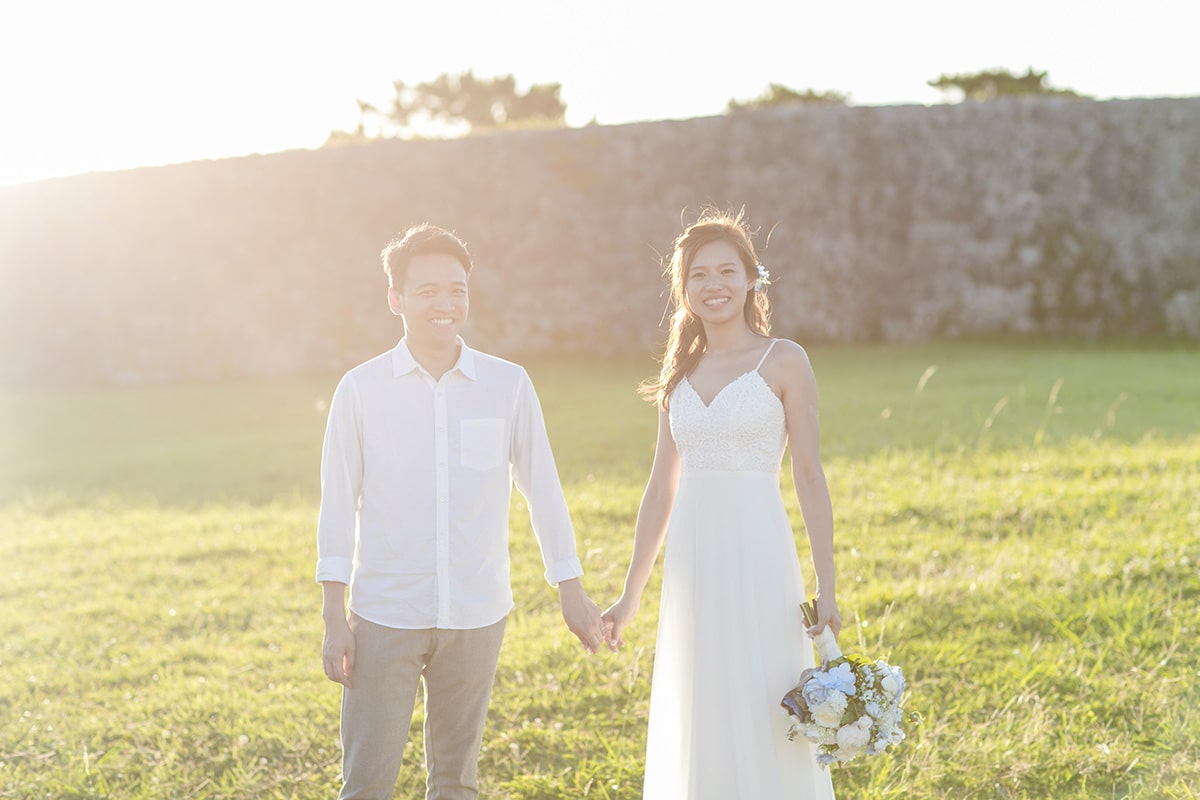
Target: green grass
[(1018, 531)]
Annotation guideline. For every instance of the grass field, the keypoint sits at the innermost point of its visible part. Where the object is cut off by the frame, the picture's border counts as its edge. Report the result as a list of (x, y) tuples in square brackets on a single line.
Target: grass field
[(1016, 526)]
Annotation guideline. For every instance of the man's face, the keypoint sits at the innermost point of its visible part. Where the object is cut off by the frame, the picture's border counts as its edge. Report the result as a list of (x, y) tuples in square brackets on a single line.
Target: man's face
[(433, 299)]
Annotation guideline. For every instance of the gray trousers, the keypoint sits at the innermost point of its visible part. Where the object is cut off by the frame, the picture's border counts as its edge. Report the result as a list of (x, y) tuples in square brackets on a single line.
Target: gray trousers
[(458, 668)]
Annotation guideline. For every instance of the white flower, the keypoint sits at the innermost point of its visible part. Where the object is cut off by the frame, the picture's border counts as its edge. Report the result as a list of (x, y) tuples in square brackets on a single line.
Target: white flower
[(876, 747), (892, 680), (829, 713), (853, 738), (819, 735), (763, 279)]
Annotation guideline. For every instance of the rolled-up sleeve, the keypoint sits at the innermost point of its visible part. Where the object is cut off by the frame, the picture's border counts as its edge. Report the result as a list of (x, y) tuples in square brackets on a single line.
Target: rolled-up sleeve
[(536, 477), (341, 485)]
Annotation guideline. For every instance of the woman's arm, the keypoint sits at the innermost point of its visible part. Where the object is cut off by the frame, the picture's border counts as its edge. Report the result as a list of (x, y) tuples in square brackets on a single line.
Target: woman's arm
[(653, 515), (798, 392)]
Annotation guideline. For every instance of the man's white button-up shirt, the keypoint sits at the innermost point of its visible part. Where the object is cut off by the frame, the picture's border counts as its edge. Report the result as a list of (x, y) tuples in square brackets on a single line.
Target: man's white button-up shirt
[(416, 479)]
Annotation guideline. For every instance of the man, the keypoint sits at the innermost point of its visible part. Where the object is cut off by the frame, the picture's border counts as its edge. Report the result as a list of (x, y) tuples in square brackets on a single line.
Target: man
[(422, 446)]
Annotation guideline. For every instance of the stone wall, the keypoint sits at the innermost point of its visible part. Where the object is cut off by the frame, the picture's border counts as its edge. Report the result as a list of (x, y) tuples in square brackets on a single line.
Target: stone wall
[(1039, 216)]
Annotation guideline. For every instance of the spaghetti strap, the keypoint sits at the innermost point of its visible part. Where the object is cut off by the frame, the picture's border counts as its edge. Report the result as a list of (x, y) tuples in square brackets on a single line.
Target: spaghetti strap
[(765, 354)]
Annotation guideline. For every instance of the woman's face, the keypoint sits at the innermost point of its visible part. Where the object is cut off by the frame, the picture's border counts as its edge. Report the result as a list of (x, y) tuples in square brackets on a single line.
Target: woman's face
[(715, 284)]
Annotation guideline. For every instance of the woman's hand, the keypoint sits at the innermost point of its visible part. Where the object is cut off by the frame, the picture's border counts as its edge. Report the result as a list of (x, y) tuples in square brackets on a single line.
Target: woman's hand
[(618, 615), (828, 616)]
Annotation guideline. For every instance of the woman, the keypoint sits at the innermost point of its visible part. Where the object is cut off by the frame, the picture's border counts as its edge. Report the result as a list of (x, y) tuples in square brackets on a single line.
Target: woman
[(731, 636)]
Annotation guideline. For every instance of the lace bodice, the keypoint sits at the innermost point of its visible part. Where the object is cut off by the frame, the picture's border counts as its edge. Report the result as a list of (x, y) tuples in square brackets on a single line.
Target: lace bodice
[(741, 430)]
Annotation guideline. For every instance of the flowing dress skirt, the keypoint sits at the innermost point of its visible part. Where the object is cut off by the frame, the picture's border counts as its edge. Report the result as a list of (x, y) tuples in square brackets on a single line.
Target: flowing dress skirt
[(731, 643)]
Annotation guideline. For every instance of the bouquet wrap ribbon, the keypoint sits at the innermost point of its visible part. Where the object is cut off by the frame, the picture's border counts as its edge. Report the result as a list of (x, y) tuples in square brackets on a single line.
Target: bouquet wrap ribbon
[(827, 646), (825, 641)]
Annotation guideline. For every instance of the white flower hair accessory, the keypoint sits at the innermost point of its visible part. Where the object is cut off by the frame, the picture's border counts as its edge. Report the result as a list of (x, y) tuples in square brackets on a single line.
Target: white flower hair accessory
[(764, 278)]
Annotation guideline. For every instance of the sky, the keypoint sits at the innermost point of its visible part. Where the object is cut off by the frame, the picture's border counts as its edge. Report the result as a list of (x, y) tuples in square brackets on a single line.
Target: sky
[(101, 85)]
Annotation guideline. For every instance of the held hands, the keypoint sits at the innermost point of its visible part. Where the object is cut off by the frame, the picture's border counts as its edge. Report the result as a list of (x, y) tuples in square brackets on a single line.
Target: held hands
[(618, 615), (581, 615)]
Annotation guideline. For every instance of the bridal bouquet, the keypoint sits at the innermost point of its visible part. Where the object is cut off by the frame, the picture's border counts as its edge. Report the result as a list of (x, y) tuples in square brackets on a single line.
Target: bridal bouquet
[(849, 705)]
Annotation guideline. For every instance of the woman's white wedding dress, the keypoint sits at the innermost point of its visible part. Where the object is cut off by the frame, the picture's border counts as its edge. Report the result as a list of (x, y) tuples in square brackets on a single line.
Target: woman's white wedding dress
[(731, 638)]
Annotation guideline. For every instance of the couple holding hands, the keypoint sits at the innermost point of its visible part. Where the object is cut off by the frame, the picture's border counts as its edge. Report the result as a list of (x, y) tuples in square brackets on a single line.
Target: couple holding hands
[(422, 447)]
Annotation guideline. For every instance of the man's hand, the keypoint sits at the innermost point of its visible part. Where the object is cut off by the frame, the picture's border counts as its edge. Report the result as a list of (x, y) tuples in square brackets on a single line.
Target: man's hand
[(337, 651), (581, 614)]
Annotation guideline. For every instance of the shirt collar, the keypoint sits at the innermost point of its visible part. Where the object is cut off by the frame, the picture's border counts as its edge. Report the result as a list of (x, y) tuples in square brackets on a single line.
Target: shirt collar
[(403, 362)]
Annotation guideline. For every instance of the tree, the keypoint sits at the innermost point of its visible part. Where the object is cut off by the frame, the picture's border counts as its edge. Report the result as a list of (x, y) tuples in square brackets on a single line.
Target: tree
[(776, 94), (458, 104), (993, 83)]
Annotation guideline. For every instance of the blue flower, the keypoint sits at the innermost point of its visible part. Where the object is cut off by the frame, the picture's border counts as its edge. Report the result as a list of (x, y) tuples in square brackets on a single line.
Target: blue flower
[(840, 678)]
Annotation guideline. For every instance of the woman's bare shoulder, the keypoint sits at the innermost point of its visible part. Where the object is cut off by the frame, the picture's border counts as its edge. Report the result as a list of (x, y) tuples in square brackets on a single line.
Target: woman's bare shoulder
[(789, 356)]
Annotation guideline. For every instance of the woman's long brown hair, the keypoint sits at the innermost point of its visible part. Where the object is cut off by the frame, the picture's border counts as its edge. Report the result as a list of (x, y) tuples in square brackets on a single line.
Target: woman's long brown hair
[(685, 341)]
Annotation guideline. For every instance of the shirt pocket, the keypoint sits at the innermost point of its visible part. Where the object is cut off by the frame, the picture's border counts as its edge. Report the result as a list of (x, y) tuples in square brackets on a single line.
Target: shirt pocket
[(482, 443)]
